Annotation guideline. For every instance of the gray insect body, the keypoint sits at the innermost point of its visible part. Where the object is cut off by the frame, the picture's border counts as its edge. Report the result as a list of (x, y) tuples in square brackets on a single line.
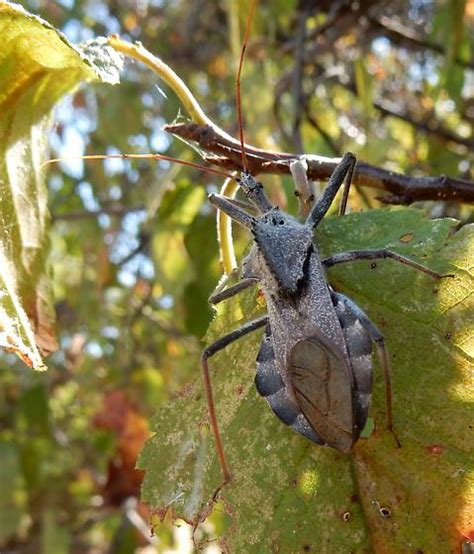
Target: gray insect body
[(314, 365), (304, 370)]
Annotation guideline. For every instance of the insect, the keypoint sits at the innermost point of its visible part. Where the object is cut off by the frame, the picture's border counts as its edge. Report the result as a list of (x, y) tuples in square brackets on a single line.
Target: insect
[(314, 365)]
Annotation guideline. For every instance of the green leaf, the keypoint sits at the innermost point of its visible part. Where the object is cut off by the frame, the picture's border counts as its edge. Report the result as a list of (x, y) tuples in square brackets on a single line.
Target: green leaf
[(33, 407), (38, 66), (288, 493), (54, 537), (11, 491), (177, 211), (206, 270)]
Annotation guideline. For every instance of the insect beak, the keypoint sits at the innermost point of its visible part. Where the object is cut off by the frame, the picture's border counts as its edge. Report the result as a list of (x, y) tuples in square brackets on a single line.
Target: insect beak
[(233, 210)]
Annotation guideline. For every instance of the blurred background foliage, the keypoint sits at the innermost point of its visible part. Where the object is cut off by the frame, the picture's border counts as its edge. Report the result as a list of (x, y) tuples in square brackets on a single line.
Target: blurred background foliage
[(133, 243)]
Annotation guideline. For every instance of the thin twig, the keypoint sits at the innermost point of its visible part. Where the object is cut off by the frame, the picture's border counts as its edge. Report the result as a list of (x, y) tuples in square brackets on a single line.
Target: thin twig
[(427, 124), (174, 81), (324, 134), (409, 38), (402, 188), (297, 84)]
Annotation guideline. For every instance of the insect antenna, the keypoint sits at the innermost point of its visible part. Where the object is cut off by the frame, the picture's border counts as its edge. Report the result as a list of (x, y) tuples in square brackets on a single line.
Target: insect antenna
[(238, 99), (253, 189), (140, 157)]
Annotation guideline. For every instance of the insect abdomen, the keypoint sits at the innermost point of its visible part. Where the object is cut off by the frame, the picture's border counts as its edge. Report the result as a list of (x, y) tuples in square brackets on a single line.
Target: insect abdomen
[(270, 385), (359, 348)]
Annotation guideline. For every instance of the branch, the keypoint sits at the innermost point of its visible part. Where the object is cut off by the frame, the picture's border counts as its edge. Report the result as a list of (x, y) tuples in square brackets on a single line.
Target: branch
[(409, 38), (297, 85), (324, 134), (426, 124), (402, 189), (342, 17), (211, 138)]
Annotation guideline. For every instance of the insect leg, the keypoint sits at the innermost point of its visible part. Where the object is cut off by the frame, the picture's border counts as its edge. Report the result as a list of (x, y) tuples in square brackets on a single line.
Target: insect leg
[(221, 295), (232, 209), (345, 191), (206, 354), (343, 171), (376, 254), (382, 352)]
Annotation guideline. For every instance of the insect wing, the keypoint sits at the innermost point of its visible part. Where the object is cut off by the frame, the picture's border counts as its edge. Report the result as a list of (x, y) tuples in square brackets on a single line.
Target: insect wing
[(270, 385), (323, 386)]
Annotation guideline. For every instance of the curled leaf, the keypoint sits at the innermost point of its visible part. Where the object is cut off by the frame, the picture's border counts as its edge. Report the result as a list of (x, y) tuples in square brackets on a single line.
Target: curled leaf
[(38, 66)]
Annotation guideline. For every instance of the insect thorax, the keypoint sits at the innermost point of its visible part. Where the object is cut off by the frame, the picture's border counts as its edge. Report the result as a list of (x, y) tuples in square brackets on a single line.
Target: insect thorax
[(284, 246)]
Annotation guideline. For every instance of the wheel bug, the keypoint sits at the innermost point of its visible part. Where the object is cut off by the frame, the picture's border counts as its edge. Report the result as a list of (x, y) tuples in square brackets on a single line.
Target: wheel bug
[(314, 365)]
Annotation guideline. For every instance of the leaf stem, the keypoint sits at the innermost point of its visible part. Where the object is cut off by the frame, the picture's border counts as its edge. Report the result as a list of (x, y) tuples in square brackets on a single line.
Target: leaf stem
[(224, 230), (197, 114), (138, 52)]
